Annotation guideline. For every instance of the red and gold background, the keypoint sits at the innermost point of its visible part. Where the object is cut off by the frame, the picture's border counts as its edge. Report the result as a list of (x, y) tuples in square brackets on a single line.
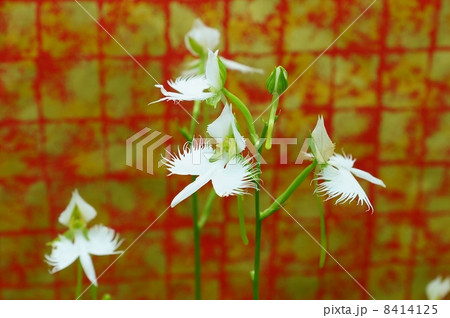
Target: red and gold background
[(70, 97)]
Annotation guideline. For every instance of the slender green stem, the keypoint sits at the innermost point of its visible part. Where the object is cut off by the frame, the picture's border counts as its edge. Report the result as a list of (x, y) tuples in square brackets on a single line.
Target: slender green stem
[(323, 229), (258, 223), (323, 237), (196, 228), (273, 113), (288, 192), (94, 292), (207, 209), (247, 115), (79, 280), (195, 113), (258, 226), (196, 245), (242, 220)]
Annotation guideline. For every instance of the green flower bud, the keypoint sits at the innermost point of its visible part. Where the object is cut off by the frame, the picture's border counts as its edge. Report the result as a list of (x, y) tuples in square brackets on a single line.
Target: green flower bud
[(277, 82)]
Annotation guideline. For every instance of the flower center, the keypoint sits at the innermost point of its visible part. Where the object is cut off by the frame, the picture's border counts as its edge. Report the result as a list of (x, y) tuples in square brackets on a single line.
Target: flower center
[(226, 149)]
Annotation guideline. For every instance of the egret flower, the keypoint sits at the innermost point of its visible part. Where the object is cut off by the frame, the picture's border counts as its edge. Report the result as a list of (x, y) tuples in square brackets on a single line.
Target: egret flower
[(438, 288), (77, 211), (197, 87), (201, 38), (229, 172), (338, 180), (337, 173), (99, 240)]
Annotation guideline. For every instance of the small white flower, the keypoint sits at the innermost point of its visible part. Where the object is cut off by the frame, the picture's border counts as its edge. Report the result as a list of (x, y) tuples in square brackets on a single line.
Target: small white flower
[(100, 240), (202, 38), (438, 288), (228, 171), (338, 181), (196, 87), (77, 205)]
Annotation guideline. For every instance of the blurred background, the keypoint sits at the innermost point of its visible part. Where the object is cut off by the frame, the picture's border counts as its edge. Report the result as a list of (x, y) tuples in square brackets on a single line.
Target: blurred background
[(70, 97)]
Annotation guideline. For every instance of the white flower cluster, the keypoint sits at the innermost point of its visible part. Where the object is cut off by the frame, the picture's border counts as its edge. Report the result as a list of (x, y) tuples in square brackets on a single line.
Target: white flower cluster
[(79, 242)]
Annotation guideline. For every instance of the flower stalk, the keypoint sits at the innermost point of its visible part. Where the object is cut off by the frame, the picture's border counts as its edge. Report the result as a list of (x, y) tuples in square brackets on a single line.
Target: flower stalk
[(246, 112), (241, 220), (323, 230), (79, 280), (258, 228), (196, 229), (275, 206), (207, 209)]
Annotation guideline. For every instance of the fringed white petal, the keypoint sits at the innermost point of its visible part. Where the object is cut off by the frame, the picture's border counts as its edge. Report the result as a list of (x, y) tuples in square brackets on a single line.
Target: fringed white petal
[(193, 160), (339, 182), (86, 210), (323, 146), (189, 88), (103, 241), (347, 162), (64, 253), (225, 126), (438, 288), (212, 71), (339, 160), (206, 37), (232, 65), (198, 183), (237, 176)]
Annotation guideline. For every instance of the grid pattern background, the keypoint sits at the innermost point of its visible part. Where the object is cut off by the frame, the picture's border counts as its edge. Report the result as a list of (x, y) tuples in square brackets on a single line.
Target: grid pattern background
[(70, 97)]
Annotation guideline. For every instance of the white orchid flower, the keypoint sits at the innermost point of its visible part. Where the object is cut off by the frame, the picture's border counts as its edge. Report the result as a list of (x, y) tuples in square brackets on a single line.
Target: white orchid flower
[(438, 288), (338, 181), (99, 240), (78, 209), (196, 87), (229, 172), (336, 171), (202, 38)]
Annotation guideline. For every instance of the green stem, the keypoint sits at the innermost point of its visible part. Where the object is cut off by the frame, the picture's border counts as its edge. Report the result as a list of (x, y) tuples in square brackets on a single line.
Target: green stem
[(258, 224), (247, 115), (258, 227), (323, 230), (273, 113), (196, 228), (195, 113), (94, 292), (196, 245), (288, 192), (207, 209), (79, 280), (241, 220)]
